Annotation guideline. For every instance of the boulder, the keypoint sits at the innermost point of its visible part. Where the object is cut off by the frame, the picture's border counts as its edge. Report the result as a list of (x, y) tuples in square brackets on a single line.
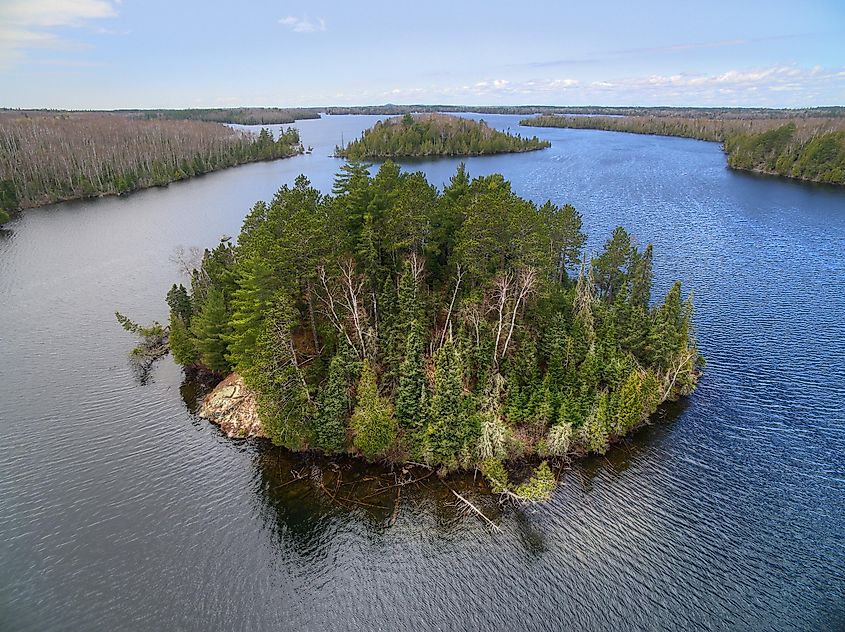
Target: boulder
[(233, 407)]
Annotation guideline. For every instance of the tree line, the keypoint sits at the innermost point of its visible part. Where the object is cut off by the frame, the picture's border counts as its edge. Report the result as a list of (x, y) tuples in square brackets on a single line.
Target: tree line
[(239, 116), (434, 135), (45, 159), (810, 149), (459, 327)]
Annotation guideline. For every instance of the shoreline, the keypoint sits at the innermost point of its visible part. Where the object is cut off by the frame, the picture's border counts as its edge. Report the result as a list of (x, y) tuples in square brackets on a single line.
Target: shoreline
[(110, 194)]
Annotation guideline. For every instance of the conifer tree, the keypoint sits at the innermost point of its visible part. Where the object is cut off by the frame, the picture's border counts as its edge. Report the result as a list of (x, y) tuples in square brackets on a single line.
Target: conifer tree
[(334, 403), (373, 421), (285, 405), (452, 425), (180, 341), (412, 383), (210, 328), (255, 288)]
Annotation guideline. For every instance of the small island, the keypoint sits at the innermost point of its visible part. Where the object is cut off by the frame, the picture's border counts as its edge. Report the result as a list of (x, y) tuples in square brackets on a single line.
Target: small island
[(459, 328), (806, 148), (421, 135)]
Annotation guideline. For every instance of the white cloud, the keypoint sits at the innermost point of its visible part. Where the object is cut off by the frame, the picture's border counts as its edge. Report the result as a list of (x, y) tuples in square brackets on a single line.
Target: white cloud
[(303, 25), (26, 23), (781, 85)]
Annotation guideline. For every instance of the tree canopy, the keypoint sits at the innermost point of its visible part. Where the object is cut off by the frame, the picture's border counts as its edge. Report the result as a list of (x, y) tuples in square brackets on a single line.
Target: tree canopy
[(435, 135), (453, 327)]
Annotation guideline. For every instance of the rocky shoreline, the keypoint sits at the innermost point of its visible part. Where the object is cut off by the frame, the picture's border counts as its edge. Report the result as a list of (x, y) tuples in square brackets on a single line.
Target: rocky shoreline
[(234, 407)]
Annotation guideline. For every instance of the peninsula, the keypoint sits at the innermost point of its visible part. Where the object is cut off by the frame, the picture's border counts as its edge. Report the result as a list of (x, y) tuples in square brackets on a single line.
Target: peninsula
[(805, 147), (48, 157)]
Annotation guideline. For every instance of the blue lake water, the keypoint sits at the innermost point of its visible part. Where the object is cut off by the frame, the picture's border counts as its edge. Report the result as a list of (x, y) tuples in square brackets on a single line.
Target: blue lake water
[(121, 510)]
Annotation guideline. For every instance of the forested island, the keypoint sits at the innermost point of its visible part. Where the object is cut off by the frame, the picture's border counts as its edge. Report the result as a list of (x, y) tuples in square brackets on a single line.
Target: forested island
[(811, 149), (420, 135), (49, 158), (457, 329)]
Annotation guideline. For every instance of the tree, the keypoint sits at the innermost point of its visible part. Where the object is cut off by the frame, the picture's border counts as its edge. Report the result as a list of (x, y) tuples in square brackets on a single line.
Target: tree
[(285, 405), (373, 421), (250, 301), (210, 328), (410, 394), (611, 268), (453, 426), (335, 404), (180, 341)]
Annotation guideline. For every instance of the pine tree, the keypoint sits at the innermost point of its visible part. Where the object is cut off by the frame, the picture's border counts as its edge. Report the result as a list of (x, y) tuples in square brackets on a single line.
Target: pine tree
[(179, 302), (210, 328), (630, 404), (373, 421), (255, 287)]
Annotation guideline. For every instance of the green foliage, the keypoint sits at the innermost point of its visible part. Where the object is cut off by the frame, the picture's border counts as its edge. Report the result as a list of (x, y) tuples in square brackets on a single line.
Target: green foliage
[(434, 134), (496, 475), (180, 341), (462, 305), (334, 403), (453, 426), (540, 486), (210, 329), (285, 405), (373, 421), (411, 395)]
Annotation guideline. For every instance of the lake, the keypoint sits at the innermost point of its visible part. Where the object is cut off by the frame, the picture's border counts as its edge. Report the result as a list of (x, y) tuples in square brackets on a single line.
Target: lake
[(119, 509)]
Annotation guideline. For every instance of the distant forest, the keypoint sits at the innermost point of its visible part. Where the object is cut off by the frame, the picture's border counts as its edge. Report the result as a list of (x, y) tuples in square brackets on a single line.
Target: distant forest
[(49, 158), (811, 149), (434, 135), (238, 116)]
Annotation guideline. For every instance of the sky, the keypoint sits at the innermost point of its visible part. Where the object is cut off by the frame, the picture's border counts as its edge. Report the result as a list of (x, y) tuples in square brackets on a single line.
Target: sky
[(103, 54)]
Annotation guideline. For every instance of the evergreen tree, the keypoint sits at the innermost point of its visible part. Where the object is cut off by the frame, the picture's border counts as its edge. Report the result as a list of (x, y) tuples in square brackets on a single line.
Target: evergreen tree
[(412, 383), (210, 329), (255, 288), (452, 424), (334, 403), (373, 421), (285, 404), (180, 341), (179, 302)]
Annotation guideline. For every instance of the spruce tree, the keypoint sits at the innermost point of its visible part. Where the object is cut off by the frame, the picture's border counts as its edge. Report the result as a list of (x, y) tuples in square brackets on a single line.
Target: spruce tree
[(180, 341), (412, 382), (334, 403), (373, 421)]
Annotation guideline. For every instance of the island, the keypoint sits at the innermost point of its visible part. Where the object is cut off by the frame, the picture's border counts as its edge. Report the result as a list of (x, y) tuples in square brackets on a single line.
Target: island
[(807, 148), (48, 157), (463, 328), (421, 135)]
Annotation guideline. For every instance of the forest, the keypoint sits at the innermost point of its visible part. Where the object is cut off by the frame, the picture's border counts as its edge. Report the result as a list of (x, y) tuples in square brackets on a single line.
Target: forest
[(458, 328), (53, 157), (238, 116), (809, 148), (434, 135), (719, 113)]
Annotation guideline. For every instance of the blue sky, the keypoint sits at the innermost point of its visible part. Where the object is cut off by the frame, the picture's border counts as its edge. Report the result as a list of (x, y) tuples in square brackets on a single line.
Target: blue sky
[(187, 53)]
